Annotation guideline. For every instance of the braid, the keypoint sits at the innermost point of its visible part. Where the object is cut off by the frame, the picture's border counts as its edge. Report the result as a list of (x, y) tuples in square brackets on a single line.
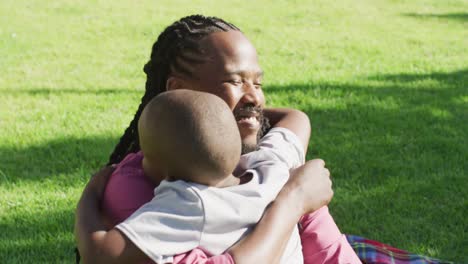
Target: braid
[(176, 48)]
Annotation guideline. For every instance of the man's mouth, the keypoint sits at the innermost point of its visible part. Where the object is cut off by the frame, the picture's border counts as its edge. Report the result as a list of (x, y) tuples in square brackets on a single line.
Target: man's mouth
[(248, 116), (251, 121)]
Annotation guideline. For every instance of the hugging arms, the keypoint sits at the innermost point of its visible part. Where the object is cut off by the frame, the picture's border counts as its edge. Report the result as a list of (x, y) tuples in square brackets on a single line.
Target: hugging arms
[(307, 190)]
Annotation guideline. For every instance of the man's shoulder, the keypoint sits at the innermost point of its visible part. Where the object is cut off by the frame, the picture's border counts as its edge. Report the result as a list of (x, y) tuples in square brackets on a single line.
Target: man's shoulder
[(131, 160), (130, 166)]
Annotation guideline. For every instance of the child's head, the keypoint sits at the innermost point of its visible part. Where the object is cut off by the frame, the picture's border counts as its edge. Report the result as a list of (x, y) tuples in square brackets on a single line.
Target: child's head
[(191, 135)]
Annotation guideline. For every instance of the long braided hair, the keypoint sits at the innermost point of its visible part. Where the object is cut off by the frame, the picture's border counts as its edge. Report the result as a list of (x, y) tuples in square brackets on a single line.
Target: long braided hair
[(176, 48)]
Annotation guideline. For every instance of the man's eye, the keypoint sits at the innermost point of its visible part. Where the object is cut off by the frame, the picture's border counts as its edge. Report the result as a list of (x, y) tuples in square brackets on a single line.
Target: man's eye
[(235, 82)]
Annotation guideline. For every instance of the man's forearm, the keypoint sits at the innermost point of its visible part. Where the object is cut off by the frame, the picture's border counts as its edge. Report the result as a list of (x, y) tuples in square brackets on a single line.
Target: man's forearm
[(275, 114), (296, 121)]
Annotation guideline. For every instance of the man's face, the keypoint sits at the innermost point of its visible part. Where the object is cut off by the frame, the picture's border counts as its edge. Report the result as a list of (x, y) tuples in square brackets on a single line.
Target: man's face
[(231, 71)]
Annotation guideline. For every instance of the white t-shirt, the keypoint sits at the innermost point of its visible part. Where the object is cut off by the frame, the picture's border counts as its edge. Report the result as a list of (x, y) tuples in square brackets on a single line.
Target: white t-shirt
[(185, 215)]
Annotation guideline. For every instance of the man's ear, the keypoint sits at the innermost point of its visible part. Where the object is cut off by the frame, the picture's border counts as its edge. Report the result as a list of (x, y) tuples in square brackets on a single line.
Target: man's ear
[(174, 83)]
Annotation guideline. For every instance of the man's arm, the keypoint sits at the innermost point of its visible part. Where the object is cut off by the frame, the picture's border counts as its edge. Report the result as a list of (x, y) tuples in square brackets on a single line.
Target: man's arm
[(296, 121), (95, 244)]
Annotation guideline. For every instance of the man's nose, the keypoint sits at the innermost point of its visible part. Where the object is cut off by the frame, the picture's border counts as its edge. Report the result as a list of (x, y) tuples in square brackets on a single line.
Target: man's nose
[(252, 94)]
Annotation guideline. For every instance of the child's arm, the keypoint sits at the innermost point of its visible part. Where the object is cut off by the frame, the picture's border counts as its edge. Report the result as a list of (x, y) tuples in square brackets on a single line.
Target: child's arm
[(296, 121), (159, 229)]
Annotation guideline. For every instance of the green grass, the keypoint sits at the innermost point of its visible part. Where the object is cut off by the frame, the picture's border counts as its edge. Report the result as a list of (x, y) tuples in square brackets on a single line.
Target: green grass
[(384, 83)]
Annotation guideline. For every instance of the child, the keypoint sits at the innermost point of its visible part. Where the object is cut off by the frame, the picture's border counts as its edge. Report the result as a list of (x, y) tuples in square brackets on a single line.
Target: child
[(192, 138)]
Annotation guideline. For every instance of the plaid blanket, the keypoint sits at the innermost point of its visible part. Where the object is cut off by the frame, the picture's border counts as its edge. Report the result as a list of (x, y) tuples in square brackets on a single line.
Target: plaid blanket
[(370, 251)]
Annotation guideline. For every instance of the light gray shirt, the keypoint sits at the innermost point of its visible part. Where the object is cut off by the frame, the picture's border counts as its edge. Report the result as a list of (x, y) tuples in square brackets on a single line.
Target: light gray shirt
[(186, 215)]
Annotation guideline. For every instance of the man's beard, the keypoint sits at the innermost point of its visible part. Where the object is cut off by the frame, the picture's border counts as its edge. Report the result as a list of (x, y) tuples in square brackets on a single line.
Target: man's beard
[(264, 127)]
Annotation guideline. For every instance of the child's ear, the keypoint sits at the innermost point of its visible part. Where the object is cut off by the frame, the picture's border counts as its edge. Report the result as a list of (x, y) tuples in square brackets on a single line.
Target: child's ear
[(174, 83)]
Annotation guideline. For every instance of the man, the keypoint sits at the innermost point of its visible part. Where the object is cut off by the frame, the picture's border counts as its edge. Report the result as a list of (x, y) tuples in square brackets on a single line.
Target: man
[(209, 55)]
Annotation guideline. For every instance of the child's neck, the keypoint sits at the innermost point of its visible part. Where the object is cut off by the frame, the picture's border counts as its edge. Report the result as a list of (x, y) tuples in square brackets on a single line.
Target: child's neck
[(231, 180)]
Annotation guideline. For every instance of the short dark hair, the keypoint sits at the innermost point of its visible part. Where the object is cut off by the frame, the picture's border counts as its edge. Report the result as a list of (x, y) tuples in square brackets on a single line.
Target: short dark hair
[(192, 135)]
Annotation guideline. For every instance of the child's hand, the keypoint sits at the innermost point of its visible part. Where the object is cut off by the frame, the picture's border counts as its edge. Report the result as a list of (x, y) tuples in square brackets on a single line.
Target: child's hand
[(312, 183)]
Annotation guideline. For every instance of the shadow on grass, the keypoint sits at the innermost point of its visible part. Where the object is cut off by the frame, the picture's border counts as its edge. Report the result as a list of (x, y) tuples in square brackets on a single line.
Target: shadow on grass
[(447, 79), (45, 238), (57, 157), (395, 144), (406, 117), (418, 214), (460, 16)]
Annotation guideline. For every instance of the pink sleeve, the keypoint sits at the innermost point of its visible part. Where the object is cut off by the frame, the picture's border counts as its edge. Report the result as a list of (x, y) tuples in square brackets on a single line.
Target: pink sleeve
[(199, 256), (127, 189), (322, 241)]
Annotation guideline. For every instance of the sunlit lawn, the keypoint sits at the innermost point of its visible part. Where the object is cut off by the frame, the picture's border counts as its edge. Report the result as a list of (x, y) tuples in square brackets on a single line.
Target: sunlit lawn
[(384, 83)]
